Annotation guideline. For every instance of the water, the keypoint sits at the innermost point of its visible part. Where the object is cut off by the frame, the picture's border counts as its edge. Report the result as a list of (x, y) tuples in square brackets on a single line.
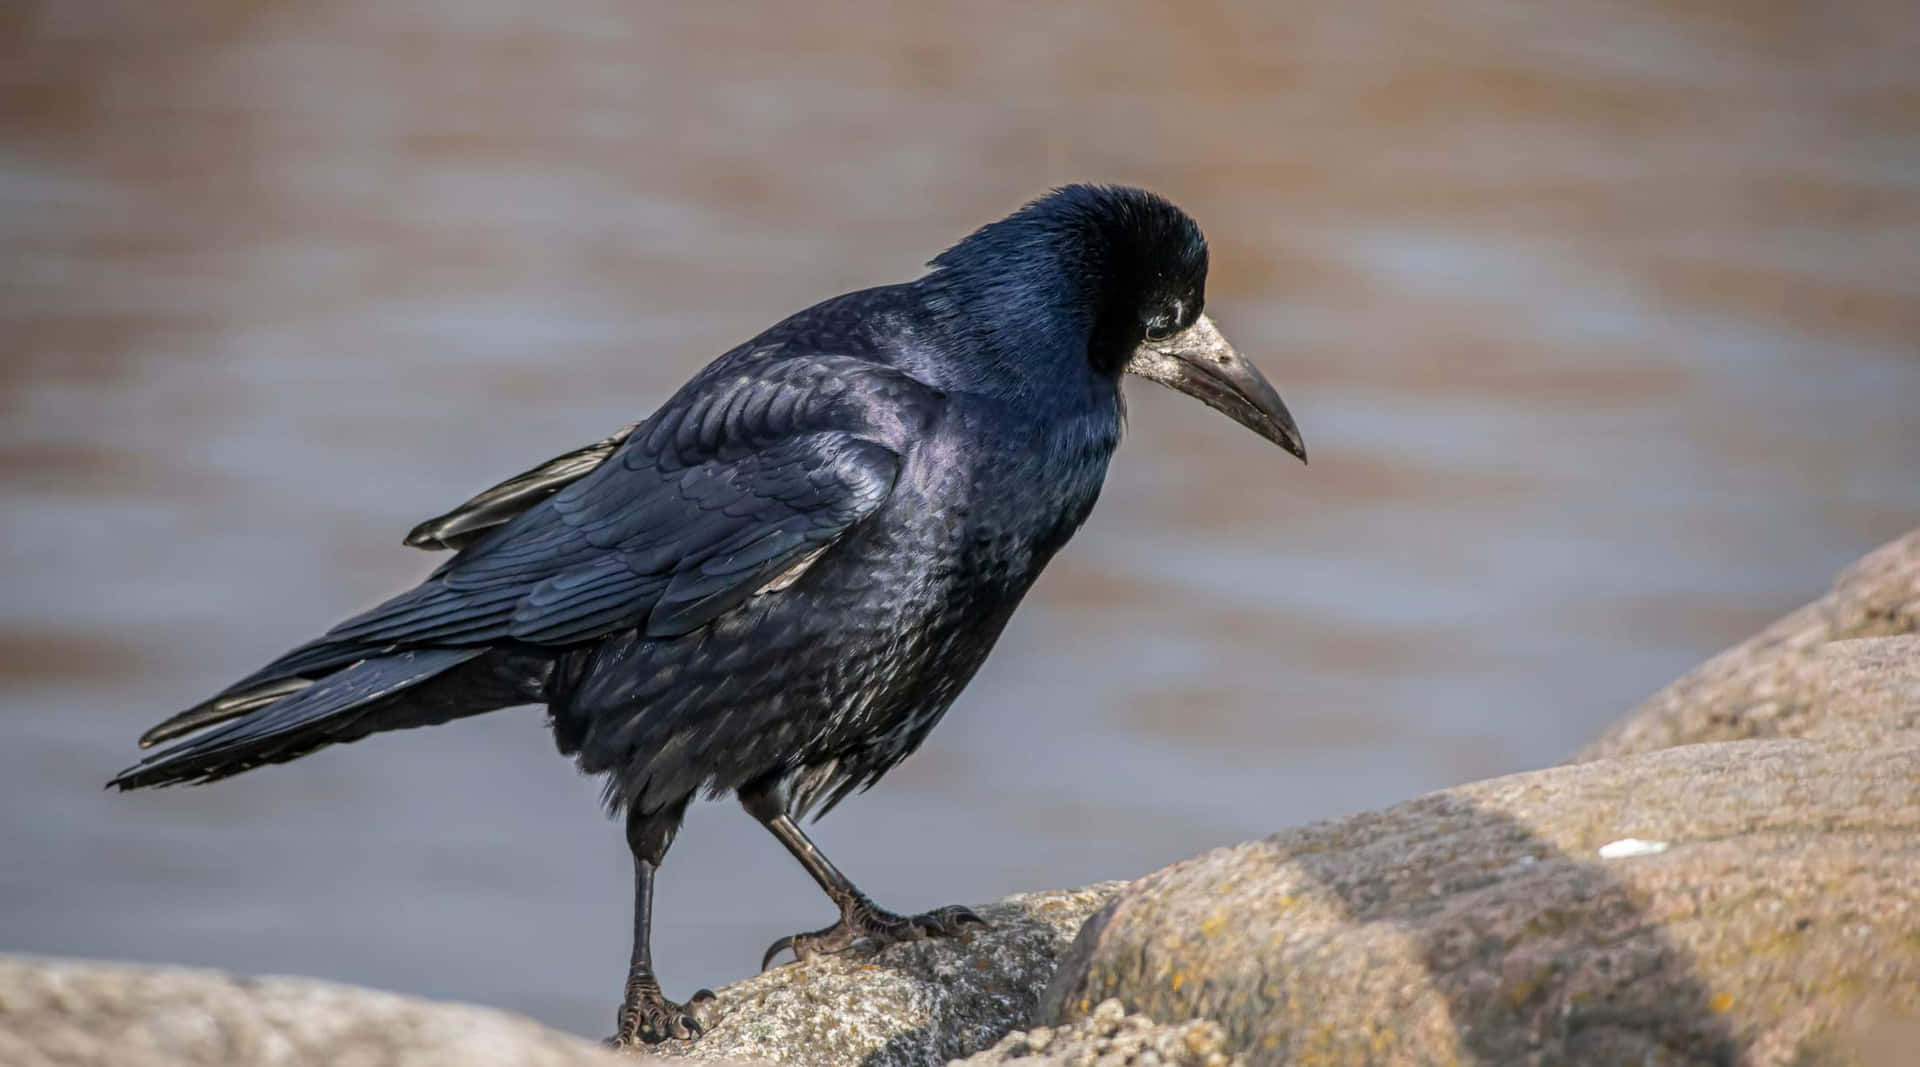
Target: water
[(1599, 319)]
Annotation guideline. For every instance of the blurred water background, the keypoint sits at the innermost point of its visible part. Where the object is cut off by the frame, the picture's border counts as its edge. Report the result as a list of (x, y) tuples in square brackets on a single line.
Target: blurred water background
[(1602, 321)]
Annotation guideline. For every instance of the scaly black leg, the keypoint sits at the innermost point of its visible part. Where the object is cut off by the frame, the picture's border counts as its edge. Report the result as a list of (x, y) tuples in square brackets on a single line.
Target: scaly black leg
[(860, 918), (646, 1015)]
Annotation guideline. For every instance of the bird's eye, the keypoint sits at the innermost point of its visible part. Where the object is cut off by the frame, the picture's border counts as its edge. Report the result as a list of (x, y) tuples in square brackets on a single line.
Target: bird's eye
[(1159, 330)]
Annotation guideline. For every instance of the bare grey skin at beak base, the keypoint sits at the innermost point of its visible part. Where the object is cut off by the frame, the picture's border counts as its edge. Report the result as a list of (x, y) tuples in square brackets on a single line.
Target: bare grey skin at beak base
[(1203, 364)]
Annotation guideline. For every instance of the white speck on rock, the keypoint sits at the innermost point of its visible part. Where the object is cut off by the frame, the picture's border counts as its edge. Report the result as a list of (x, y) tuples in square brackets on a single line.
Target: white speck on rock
[(1631, 846)]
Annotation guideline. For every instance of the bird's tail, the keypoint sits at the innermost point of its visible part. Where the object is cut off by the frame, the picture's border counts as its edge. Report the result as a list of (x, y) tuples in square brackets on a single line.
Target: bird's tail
[(284, 718)]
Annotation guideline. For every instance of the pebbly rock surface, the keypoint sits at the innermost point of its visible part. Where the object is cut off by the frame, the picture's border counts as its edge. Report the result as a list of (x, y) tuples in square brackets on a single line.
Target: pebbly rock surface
[(908, 1005), (1109, 1037), (79, 1013), (1807, 675), (1746, 902)]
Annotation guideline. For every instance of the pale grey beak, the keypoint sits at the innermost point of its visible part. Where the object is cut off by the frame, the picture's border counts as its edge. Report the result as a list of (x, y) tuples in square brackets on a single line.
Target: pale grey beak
[(1200, 363)]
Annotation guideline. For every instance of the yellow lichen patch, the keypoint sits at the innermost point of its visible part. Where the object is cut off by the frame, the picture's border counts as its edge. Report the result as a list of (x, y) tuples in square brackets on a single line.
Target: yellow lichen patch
[(1213, 924), (1720, 1003), (1179, 979)]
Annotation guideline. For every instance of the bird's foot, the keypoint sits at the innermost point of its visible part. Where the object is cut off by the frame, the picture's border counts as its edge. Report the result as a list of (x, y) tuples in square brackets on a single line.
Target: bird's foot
[(862, 920), (647, 1017)]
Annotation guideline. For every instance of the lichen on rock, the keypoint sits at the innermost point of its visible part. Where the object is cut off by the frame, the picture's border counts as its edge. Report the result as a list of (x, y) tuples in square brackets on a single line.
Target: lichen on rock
[(1481, 925)]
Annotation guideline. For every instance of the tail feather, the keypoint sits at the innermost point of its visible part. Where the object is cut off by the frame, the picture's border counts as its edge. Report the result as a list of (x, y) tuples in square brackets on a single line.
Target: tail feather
[(311, 660), (221, 708), (283, 721)]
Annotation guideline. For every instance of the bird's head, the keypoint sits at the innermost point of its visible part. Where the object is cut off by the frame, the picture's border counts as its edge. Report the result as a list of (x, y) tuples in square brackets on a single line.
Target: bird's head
[(1117, 277)]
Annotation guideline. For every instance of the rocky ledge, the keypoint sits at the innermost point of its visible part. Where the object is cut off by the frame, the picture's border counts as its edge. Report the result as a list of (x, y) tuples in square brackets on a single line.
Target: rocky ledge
[(1740, 902), (1675, 898), (1727, 876), (1842, 669)]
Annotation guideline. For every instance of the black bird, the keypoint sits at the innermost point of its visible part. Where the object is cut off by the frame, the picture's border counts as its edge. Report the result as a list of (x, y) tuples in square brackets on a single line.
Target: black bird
[(775, 585)]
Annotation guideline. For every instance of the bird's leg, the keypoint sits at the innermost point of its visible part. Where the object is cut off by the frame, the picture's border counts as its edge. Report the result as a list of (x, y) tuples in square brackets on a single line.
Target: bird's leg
[(646, 1015), (860, 918)]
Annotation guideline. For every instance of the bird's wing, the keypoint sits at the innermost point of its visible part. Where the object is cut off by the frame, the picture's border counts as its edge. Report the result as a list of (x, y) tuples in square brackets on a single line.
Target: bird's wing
[(738, 482), (464, 524)]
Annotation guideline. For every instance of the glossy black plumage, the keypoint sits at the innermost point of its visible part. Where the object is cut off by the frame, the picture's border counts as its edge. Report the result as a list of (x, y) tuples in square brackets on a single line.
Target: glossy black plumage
[(778, 582)]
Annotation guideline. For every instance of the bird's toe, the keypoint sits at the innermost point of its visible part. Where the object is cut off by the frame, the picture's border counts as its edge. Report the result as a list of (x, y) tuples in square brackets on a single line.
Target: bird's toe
[(653, 1019), (775, 949), (874, 926), (836, 938), (948, 921), (701, 1009)]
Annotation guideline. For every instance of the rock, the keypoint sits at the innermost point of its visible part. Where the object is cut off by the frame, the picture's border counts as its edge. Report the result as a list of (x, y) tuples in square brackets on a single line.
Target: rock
[(1480, 924), (1747, 901), (921, 1003), (1862, 691), (1791, 680), (75, 1013), (1109, 1037)]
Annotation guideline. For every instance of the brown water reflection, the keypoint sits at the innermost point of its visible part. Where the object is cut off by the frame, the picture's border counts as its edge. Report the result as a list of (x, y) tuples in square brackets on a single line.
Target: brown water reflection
[(1601, 319)]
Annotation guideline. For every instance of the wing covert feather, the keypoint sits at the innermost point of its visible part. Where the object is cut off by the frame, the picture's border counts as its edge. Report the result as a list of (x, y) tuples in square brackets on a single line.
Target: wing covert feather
[(738, 481)]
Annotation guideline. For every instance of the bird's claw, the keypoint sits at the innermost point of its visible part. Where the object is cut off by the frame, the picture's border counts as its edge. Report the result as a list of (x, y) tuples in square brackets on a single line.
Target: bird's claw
[(648, 1018), (950, 920), (872, 924)]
